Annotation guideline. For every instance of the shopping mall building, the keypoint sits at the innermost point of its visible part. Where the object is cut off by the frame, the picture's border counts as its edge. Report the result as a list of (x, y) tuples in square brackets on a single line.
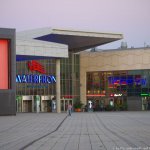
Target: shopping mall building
[(52, 69)]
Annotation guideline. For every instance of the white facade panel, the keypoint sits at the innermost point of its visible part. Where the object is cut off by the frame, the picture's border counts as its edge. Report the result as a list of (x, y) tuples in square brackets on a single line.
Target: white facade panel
[(41, 48)]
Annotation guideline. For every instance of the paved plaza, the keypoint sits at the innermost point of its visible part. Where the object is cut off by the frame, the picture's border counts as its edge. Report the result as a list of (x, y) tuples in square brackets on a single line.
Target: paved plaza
[(81, 131)]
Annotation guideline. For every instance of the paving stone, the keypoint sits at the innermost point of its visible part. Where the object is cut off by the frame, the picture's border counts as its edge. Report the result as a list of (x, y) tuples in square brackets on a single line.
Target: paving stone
[(81, 131)]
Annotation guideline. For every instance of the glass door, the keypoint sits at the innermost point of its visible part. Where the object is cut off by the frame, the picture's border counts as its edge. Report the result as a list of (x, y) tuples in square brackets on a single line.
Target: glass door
[(65, 103)]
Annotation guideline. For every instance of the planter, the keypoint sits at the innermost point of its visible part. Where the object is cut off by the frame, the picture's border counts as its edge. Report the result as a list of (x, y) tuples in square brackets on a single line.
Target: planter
[(78, 106), (77, 109)]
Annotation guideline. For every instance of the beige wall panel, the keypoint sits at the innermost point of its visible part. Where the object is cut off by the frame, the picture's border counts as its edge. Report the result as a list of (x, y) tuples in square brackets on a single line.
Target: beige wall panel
[(92, 68), (137, 59), (84, 62), (145, 66), (99, 61), (108, 67), (107, 60), (94, 55), (123, 60), (146, 57), (146, 51), (139, 52), (121, 53), (115, 60), (135, 66), (130, 59), (92, 62), (83, 87), (121, 67), (109, 54)]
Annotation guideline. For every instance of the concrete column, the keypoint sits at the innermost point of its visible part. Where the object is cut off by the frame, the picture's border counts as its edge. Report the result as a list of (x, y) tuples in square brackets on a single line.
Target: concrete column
[(32, 103), (22, 105), (58, 84)]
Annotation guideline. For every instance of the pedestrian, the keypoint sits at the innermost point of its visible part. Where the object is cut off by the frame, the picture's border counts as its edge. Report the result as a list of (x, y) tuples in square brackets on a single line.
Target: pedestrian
[(90, 106), (148, 105), (145, 104), (69, 109)]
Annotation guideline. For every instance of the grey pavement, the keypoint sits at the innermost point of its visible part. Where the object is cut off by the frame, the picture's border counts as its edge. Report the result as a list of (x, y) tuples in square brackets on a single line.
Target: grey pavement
[(81, 131)]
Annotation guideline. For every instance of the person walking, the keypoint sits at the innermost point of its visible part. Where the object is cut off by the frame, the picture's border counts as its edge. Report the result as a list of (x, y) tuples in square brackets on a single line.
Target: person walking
[(69, 109), (145, 104), (148, 106)]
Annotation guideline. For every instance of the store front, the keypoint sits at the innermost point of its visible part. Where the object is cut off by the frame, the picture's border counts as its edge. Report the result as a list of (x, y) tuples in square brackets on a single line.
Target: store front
[(108, 103), (146, 102), (36, 84), (46, 103), (118, 90)]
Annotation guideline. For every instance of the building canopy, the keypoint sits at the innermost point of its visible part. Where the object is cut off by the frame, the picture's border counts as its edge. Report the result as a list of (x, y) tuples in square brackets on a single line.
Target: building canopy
[(57, 42)]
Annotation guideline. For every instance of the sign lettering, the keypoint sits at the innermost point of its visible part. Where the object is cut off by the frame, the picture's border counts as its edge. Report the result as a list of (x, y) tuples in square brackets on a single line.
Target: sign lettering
[(35, 78)]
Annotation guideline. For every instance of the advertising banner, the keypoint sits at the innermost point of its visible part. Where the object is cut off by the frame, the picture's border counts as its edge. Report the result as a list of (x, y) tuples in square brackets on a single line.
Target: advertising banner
[(4, 64)]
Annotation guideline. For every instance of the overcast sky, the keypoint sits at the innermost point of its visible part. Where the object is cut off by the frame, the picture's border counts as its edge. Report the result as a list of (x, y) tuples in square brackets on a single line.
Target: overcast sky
[(129, 17)]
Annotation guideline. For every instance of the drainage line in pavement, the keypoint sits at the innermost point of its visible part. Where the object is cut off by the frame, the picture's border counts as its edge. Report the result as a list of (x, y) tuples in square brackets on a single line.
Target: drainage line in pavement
[(43, 135)]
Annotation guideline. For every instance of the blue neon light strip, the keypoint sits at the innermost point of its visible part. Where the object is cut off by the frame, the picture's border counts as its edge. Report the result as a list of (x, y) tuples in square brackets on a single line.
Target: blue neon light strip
[(128, 81)]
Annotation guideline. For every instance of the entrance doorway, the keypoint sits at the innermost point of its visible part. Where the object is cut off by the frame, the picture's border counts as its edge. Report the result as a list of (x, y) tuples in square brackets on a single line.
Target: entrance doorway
[(37, 103), (27, 105), (145, 103), (46, 104), (65, 103)]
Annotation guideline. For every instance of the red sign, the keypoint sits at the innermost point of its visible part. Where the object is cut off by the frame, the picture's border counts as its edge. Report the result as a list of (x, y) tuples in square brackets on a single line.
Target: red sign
[(4, 64), (36, 66)]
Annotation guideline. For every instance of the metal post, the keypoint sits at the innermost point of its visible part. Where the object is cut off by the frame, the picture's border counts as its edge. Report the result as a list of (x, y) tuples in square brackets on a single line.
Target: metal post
[(58, 84)]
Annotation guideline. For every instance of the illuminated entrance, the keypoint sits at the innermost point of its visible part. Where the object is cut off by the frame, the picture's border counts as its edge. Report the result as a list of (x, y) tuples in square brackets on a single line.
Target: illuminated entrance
[(65, 103), (108, 103), (145, 101), (118, 90), (32, 82)]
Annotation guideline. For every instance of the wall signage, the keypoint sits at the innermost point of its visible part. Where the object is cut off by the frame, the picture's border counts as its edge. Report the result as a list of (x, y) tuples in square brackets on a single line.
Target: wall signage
[(116, 95), (35, 78), (127, 81), (145, 94), (36, 66), (4, 64)]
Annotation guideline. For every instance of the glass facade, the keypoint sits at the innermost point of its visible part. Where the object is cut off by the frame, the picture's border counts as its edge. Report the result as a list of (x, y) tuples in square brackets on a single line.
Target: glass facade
[(35, 88), (113, 88), (70, 77), (32, 82)]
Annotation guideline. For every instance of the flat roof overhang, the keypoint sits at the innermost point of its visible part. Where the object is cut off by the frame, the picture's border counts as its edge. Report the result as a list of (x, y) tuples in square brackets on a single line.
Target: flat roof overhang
[(75, 41)]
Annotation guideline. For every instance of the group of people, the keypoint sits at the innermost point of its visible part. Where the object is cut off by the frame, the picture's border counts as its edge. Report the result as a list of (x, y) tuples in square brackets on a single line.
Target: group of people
[(90, 108)]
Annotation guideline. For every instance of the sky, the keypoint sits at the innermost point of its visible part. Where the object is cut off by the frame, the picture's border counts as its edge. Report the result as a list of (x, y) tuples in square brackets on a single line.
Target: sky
[(128, 17)]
